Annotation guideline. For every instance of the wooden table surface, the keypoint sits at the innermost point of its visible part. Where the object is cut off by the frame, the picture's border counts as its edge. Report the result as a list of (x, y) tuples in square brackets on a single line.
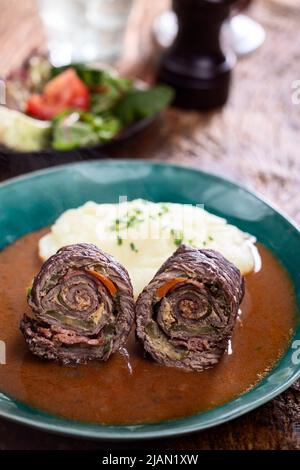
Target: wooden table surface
[(254, 140)]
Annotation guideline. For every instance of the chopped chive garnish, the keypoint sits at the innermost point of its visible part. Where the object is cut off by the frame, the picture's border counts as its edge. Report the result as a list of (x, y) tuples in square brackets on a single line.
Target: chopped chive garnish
[(129, 220), (116, 225), (119, 240), (133, 247), (163, 210), (177, 236), (29, 290)]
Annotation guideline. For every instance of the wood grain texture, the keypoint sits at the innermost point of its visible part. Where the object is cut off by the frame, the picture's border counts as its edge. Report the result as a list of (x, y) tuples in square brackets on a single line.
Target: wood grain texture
[(254, 140)]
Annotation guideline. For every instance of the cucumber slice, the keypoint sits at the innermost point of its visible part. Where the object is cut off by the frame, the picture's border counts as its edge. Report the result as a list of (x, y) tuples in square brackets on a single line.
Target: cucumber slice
[(21, 132)]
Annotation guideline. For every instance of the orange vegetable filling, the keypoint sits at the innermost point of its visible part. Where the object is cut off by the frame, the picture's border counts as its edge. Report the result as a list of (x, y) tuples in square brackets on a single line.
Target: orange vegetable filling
[(162, 291), (107, 282)]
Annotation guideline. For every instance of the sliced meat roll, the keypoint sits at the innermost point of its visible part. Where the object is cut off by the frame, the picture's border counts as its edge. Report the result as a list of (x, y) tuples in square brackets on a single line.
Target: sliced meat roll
[(186, 315), (82, 306)]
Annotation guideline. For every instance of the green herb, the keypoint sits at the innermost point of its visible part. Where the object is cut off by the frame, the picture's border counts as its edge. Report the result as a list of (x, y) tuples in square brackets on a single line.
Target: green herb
[(177, 236), (138, 211), (72, 129), (139, 104), (133, 247), (209, 239), (29, 290), (115, 227), (163, 210), (133, 220), (128, 221), (119, 240), (106, 348)]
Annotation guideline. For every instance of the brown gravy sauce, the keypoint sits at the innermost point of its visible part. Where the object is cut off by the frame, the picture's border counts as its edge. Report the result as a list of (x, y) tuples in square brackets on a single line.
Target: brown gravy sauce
[(131, 389)]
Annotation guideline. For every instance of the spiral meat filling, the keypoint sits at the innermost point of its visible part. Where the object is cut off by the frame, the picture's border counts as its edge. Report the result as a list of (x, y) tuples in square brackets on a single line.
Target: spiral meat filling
[(186, 315), (82, 306)]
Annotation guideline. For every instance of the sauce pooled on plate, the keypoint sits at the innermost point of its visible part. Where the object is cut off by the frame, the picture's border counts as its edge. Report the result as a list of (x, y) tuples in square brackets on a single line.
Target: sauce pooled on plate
[(130, 388)]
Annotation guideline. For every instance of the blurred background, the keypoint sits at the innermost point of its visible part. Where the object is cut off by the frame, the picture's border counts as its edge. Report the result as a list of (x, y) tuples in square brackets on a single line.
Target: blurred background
[(252, 139)]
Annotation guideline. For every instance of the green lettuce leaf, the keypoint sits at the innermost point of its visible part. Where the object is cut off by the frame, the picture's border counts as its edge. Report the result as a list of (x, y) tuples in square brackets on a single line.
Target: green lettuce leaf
[(72, 129), (139, 104)]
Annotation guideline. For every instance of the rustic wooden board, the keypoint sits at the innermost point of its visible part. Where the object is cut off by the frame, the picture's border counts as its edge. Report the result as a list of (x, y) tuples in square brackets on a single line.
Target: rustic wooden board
[(253, 140)]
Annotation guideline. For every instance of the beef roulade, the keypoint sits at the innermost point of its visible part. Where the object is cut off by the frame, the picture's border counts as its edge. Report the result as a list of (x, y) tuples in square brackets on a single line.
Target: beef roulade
[(186, 315), (82, 306)]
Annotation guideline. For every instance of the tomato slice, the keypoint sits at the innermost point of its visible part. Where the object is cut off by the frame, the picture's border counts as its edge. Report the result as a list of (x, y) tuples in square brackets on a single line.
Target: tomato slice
[(36, 106), (65, 91)]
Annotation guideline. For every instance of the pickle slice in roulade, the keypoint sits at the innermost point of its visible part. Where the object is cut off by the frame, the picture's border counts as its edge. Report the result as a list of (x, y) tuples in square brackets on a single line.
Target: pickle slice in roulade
[(82, 306), (186, 314)]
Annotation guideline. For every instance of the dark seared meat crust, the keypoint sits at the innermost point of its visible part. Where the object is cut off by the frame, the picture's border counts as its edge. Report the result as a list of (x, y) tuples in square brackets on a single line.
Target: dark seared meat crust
[(190, 324), (76, 316)]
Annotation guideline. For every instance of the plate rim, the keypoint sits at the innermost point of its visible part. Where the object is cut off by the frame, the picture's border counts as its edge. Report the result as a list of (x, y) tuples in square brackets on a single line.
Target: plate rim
[(180, 426), (104, 161)]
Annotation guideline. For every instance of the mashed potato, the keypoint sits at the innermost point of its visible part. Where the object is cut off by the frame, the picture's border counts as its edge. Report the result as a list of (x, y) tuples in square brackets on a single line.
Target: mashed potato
[(143, 234)]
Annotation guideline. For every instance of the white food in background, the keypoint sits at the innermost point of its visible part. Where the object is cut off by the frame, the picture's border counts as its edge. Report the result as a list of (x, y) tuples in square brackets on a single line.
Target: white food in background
[(147, 234), (21, 132)]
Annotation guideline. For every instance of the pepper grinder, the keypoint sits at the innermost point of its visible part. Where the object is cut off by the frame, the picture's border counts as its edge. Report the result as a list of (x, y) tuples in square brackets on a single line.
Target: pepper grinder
[(195, 65)]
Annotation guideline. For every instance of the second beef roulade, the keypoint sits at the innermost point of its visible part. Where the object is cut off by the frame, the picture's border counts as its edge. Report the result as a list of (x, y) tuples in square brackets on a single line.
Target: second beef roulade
[(185, 316)]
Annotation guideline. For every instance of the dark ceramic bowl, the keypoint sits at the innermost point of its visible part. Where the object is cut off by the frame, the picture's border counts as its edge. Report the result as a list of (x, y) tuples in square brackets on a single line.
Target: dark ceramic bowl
[(13, 163)]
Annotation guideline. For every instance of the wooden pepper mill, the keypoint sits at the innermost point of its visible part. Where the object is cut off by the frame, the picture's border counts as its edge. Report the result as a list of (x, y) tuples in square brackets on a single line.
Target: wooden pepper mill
[(195, 65)]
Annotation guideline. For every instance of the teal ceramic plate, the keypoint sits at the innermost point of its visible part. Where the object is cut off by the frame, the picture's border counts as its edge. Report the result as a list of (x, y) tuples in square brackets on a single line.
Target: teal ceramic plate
[(30, 202)]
